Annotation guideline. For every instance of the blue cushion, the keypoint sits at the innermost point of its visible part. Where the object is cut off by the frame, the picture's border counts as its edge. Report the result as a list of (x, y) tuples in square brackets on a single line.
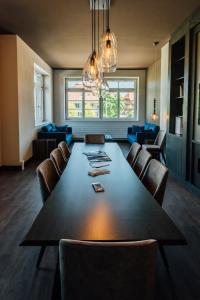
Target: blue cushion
[(68, 138), (150, 126), (62, 128), (131, 138), (47, 128)]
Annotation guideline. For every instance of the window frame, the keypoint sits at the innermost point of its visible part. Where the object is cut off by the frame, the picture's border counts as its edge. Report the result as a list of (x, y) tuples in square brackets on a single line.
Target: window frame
[(45, 92), (118, 90), (42, 91)]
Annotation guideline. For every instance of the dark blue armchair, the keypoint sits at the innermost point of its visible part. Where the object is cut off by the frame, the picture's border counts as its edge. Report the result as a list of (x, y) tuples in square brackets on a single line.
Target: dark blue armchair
[(140, 134), (60, 133)]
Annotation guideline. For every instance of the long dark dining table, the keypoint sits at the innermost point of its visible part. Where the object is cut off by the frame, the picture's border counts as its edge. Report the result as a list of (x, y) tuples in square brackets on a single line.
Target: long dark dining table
[(125, 211)]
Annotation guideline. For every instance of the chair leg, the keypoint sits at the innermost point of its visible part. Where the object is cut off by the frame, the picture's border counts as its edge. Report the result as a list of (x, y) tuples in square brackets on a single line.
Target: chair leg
[(42, 249), (162, 252)]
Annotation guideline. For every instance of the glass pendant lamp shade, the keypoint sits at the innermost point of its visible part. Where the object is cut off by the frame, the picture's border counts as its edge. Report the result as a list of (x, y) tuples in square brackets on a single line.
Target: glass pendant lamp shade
[(91, 72), (108, 57)]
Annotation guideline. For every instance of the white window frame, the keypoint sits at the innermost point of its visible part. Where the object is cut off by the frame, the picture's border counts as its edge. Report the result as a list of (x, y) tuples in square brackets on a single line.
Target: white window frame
[(39, 71), (118, 90)]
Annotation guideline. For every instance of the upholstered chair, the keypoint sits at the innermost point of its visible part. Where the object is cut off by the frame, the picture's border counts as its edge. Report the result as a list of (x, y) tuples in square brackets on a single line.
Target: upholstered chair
[(141, 162), (133, 153), (107, 270), (58, 160), (94, 139), (64, 150), (48, 178), (155, 179)]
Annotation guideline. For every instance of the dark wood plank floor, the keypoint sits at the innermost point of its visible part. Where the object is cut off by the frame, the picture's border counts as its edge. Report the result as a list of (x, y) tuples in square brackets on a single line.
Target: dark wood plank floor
[(20, 202)]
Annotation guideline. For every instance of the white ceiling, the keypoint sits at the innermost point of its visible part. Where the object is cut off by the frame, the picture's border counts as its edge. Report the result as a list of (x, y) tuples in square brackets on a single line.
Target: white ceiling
[(60, 30)]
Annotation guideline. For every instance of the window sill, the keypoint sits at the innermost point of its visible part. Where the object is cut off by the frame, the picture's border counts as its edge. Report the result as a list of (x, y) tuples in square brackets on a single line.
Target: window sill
[(42, 124), (101, 120)]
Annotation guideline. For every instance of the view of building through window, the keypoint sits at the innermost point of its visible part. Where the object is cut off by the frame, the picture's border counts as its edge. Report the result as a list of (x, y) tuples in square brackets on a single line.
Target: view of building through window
[(119, 103)]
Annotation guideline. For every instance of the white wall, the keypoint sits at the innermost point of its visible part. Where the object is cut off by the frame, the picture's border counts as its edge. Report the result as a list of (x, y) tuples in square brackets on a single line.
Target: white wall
[(118, 129), (164, 88), (26, 58), (153, 90), (17, 129), (9, 101)]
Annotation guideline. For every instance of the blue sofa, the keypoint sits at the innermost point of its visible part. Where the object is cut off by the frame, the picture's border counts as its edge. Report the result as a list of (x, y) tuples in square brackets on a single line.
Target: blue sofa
[(140, 134), (52, 131)]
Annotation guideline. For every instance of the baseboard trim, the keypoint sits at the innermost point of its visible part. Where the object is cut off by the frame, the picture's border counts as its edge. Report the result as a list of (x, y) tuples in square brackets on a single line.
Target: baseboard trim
[(17, 168)]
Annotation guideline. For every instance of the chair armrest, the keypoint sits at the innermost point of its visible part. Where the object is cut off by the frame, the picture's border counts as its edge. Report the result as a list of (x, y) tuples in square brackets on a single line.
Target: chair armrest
[(130, 131), (142, 136), (69, 130)]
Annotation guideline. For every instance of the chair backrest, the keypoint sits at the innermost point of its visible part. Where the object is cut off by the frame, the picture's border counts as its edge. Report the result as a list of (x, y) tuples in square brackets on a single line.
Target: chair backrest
[(48, 177), (160, 139), (155, 179), (64, 150), (94, 138), (133, 153), (58, 160), (141, 162), (107, 270)]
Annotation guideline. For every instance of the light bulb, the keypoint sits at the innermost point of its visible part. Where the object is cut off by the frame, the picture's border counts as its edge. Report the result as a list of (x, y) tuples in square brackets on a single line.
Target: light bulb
[(108, 35)]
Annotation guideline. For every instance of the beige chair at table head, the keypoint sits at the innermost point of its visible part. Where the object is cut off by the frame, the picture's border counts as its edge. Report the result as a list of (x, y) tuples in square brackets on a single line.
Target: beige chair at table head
[(141, 162), (58, 160), (107, 270), (65, 150), (155, 179), (133, 153), (94, 139)]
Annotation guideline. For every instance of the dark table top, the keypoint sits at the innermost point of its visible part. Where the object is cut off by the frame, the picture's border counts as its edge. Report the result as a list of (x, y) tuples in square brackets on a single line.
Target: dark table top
[(126, 211)]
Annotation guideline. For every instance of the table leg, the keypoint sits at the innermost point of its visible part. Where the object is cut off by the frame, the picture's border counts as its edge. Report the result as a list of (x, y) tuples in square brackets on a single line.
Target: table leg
[(56, 293), (162, 252)]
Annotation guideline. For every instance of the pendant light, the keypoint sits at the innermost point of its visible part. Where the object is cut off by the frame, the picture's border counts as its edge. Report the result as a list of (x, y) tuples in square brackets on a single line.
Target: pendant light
[(154, 116), (91, 73), (108, 45)]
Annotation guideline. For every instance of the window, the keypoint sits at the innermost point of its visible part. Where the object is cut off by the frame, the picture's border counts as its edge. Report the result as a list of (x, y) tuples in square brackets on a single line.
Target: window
[(39, 98), (119, 103)]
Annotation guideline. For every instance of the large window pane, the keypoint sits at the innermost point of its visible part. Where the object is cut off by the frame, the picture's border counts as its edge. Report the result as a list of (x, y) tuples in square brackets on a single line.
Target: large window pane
[(39, 97), (110, 105), (74, 84), (127, 105), (113, 84), (126, 84), (75, 104), (91, 105)]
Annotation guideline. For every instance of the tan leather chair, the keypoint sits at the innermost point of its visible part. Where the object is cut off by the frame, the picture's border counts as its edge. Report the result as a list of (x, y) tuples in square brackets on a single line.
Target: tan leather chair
[(107, 270), (64, 150), (141, 162), (58, 160), (155, 179), (133, 153), (94, 139), (158, 147), (48, 177)]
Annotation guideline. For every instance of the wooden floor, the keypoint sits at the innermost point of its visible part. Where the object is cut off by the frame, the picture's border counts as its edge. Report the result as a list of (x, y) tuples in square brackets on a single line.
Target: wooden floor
[(20, 202)]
